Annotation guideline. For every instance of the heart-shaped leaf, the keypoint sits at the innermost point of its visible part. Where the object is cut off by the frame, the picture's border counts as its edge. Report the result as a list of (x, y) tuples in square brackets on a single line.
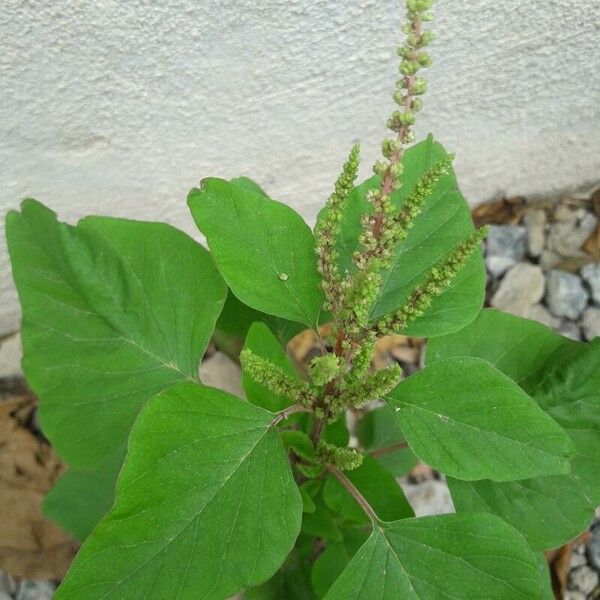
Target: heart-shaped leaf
[(206, 504), (465, 418), (114, 311), (548, 511), (263, 249), (561, 375), (466, 557)]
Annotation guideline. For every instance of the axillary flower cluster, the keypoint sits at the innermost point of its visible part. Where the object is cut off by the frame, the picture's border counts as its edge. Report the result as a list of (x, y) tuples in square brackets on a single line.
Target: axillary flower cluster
[(344, 378)]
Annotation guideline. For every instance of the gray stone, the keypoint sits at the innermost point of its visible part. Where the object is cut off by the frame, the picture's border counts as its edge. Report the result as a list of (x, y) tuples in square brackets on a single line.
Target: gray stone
[(573, 595), (584, 579), (521, 288), (34, 589), (5, 596), (591, 275), (567, 237), (10, 356), (539, 313), (505, 246), (430, 497), (221, 372), (593, 548), (590, 322), (570, 330), (577, 560), (497, 265), (535, 224), (565, 294)]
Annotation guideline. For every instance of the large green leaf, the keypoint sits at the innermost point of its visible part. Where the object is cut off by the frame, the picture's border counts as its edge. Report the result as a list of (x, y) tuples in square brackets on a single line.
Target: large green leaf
[(264, 344), (560, 374), (548, 511), (114, 311), (379, 488), (570, 392), (518, 347), (205, 505), (444, 222), (461, 557), (470, 421), (248, 184), (82, 497), (263, 249)]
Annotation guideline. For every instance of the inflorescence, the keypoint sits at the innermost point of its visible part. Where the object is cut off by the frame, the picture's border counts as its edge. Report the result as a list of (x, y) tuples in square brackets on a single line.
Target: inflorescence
[(344, 378)]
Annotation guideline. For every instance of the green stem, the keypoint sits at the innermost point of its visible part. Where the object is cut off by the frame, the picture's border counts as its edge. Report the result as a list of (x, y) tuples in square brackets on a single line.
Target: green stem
[(355, 493), (282, 415), (389, 449)]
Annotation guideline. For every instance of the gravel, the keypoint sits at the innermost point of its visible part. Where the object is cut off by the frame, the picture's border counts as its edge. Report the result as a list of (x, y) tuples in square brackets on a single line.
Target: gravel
[(566, 296), (591, 275), (521, 288), (505, 246), (535, 224), (584, 579)]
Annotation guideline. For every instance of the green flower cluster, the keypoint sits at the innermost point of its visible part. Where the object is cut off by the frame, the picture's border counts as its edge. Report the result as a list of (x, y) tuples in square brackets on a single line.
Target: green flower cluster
[(323, 369), (328, 228), (345, 459), (276, 379)]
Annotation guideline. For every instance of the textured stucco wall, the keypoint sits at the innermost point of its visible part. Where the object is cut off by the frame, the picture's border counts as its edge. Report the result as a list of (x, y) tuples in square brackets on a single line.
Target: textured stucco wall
[(119, 107)]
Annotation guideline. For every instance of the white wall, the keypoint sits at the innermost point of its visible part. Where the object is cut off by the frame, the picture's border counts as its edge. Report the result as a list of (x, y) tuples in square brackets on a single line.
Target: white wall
[(120, 106)]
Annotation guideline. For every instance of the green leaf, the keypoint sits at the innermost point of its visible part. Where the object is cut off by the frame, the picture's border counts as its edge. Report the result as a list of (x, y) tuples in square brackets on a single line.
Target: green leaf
[(263, 249), (264, 344), (237, 318), (320, 523), (379, 488), (205, 506), (465, 418), (247, 184), (333, 560), (465, 557), (81, 498), (379, 429), (548, 511), (114, 311), (444, 222), (586, 462), (300, 443), (570, 392), (308, 504), (507, 342), (561, 375)]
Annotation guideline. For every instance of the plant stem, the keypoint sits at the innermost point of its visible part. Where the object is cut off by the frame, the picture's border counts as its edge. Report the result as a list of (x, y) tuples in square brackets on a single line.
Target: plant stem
[(282, 415), (354, 492), (317, 429), (389, 449)]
